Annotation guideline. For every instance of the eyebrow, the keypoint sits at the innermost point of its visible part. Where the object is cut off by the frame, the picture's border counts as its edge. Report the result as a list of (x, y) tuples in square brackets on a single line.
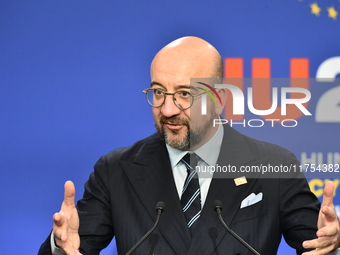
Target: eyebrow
[(176, 87)]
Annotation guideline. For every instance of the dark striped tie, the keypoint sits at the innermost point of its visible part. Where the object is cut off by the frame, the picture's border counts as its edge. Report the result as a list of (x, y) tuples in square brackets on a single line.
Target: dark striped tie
[(191, 194)]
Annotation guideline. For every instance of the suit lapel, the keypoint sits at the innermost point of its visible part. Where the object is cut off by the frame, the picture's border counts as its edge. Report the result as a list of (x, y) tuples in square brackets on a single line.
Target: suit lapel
[(151, 177)]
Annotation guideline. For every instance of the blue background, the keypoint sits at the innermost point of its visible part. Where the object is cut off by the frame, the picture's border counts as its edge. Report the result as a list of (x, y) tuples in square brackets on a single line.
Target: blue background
[(72, 72)]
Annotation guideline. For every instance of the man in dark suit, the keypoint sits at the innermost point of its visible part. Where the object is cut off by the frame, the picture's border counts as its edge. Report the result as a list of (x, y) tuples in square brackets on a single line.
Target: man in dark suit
[(122, 192)]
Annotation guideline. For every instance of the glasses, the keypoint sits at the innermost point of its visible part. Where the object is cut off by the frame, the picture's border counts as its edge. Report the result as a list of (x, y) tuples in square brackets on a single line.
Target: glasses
[(182, 99)]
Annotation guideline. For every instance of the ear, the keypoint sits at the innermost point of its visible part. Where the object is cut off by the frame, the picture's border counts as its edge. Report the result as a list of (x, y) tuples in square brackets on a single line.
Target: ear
[(223, 95)]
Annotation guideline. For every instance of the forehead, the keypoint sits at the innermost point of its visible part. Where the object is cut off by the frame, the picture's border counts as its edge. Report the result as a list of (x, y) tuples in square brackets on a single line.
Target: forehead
[(178, 76)]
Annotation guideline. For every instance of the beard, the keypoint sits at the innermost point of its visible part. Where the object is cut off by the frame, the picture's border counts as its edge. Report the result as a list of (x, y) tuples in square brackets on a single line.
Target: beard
[(191, 138)]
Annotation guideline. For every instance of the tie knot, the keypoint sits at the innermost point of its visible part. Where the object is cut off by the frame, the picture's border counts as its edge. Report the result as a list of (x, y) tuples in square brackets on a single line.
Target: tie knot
[(190, 161)]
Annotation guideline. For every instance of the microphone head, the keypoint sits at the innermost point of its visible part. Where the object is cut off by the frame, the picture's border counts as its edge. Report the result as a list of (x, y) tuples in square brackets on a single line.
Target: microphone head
[(160, 206), (217, 204)]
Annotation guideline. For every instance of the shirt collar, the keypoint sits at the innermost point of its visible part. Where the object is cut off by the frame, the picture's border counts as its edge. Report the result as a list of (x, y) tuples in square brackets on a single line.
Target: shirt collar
[(208, 152)]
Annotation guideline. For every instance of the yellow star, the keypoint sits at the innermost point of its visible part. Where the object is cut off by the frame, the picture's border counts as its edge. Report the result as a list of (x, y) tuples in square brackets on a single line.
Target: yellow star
[(315, 9), (332, 13)]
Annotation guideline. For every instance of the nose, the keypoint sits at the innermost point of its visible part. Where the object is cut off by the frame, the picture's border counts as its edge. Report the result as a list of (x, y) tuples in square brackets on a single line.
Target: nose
[(169, 109)]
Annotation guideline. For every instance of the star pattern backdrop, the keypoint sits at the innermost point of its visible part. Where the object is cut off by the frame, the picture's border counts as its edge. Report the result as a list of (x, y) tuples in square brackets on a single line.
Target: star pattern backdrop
[(72, 72)]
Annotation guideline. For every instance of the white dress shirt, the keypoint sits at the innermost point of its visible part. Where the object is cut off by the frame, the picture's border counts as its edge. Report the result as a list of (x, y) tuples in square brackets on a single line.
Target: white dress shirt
[(208, 154)]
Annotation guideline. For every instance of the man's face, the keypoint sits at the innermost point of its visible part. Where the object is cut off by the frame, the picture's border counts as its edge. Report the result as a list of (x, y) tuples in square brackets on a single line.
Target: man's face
[(181, 129)]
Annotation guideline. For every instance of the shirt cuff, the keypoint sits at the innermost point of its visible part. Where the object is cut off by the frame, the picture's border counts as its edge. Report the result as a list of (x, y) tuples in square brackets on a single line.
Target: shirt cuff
[(55, 250)]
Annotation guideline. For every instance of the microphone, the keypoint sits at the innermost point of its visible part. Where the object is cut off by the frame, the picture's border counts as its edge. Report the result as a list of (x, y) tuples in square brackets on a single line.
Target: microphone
[(218, 208), (160, 206)]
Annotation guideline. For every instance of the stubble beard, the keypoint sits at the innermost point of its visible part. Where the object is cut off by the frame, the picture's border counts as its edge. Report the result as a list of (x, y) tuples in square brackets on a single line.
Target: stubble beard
[(191, 138)]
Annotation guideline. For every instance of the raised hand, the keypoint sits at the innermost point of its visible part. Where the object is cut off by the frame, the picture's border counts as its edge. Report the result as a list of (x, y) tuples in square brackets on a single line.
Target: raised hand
[(328, 226), (66, 223)]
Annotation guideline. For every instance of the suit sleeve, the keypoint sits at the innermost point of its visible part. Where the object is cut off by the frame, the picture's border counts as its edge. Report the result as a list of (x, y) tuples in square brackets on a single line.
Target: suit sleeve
[(299, 208), (45, 248), (96, 228)]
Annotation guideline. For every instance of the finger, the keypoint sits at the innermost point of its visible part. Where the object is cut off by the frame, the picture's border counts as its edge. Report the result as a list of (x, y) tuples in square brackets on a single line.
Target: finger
[(69, 194), (69, 250), (320, 243), (327, 231), (328, 193), (58, 219), (59, 228), (329, 213), (318, 251), (60, 236)]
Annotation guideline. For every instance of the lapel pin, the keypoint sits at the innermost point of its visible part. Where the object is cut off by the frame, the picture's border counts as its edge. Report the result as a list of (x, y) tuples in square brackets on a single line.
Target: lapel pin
[(240, 181)]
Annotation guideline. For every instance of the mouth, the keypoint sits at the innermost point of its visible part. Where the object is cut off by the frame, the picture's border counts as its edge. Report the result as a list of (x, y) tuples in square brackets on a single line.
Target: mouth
[(173, 126)]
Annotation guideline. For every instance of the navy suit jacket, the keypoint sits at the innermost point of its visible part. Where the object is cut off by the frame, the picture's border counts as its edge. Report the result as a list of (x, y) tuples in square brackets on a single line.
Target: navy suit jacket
[(121, 194)]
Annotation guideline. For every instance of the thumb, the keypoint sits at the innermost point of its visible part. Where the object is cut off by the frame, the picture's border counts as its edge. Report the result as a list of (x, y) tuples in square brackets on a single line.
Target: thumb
[(328, 193), (70, 192)]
